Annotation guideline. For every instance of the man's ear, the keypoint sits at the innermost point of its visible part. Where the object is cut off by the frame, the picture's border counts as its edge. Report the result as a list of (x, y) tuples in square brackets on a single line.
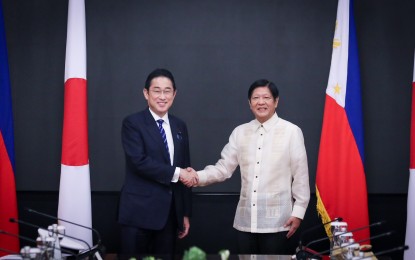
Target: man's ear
[(145, 93)]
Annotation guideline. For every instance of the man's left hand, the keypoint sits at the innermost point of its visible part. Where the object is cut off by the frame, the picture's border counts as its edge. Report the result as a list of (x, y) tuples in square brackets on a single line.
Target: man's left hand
[(186, 226), (293, 223)]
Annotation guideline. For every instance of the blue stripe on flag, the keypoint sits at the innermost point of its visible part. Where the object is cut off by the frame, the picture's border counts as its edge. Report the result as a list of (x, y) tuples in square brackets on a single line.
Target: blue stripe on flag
[(353, 104), (6, 114)]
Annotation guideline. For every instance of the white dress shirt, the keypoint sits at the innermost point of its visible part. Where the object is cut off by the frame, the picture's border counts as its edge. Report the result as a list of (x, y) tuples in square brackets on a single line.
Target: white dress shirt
[(274, 174), (170, 143)]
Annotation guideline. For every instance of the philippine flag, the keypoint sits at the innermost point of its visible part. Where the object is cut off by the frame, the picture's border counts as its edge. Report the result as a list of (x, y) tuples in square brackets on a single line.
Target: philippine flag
[(8, 200), (340, 181)]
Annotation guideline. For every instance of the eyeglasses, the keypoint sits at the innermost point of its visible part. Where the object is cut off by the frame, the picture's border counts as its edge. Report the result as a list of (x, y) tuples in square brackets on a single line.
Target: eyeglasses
[(159, 92)]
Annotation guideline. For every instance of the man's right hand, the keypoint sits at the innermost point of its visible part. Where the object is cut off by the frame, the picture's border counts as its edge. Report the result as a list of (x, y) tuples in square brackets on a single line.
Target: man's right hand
[(188, 177)]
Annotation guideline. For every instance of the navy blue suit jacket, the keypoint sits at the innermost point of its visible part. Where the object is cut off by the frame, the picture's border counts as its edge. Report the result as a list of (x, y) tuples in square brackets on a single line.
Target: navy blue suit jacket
[(147, 192)]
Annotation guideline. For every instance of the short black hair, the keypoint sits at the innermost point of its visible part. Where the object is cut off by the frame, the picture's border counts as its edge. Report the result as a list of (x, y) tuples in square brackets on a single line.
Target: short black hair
[(159, 73), (263, 83)]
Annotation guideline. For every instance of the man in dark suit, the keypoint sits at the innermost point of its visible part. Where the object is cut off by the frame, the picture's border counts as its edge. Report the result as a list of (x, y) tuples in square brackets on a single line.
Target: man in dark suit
[(154, 205)]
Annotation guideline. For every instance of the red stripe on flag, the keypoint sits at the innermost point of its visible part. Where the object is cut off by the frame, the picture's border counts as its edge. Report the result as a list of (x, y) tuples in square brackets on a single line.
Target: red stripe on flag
[(8, 201), (75, 123), (410, 207), (340, 172), (412, 149)]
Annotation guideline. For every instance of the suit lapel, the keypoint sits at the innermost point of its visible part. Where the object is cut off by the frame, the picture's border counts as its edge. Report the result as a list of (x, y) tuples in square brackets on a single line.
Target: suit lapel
[(177, 136)]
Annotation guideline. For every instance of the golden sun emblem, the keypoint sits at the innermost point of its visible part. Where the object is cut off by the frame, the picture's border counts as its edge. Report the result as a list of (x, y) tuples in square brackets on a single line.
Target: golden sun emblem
[(336, 43)]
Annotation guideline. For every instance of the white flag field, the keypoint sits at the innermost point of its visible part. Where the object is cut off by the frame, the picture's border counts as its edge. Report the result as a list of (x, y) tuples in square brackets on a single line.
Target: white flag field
[(75, 188)]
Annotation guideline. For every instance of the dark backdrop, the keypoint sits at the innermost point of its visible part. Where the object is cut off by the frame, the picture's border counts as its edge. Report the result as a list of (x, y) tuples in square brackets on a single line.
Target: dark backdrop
[(215, 49)]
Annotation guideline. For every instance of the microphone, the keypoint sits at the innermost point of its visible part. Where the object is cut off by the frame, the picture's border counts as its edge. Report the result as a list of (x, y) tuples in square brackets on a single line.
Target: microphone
[(13, 220), (7, 250), (304, 252), (316, 227), (30, 240), (17, 236), (398, 248), (351, 231), (13, 235), (356, 242), (67, 221), (94, 250)]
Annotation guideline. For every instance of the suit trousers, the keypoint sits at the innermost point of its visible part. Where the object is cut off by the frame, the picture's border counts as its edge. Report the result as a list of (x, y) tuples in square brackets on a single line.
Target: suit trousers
[(142, 241)]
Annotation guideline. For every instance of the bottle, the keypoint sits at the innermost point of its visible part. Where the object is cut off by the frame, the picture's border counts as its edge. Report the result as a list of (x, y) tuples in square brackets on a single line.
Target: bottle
[(57, 254)]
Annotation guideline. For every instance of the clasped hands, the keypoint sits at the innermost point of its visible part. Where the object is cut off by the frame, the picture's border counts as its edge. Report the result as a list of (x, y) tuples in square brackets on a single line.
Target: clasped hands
[(189, 177)]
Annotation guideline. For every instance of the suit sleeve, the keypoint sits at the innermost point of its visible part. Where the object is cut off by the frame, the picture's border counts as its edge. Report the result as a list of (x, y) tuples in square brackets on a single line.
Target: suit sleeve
[(140, 154)]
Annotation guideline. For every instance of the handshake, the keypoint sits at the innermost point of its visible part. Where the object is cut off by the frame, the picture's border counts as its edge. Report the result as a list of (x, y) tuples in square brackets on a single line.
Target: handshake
[(189, 177)]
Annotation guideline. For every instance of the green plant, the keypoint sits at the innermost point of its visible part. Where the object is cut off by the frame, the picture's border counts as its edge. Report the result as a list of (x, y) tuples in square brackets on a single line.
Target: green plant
[(194, 253), (224, 254)]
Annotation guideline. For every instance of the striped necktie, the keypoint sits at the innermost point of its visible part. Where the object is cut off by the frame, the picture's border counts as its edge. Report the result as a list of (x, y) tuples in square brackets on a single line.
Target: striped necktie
[(163, 134)]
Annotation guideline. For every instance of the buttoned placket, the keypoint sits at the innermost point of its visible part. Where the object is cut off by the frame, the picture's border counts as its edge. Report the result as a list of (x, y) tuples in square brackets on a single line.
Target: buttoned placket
[(255, 183)]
